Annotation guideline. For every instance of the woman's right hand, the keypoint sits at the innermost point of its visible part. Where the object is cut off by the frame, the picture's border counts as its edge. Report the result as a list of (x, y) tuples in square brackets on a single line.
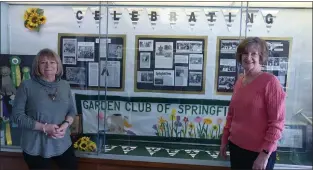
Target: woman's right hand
[(223, 149)]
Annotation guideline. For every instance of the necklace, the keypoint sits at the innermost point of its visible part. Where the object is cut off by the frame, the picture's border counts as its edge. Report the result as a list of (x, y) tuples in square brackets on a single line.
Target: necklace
[(52, 96), (247, 81)]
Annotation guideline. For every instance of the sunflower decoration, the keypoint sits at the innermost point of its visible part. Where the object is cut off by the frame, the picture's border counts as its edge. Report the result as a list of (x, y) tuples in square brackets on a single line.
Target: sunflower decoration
[(85, 144), (34, 18)]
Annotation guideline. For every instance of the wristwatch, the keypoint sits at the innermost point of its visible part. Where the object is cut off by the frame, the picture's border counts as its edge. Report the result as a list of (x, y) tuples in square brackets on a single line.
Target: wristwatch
[(65, 121), (265, 151)]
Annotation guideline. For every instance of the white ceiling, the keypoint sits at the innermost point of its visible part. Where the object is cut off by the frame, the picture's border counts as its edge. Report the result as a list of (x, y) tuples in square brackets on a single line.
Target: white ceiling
[(225, 3)]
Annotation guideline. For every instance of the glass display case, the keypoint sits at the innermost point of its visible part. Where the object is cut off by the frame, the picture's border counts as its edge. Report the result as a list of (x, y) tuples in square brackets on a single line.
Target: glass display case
[(152, 81)]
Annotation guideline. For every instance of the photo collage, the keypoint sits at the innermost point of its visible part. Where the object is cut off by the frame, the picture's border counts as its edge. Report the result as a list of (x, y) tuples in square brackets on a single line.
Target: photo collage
[(228, 68), (88, 64), (170, 64)]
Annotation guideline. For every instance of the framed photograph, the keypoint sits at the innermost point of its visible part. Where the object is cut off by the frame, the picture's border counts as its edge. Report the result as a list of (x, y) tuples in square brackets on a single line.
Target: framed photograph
[(145, 60), (115, 51), (86, 51), (145, 45), (76, 75)]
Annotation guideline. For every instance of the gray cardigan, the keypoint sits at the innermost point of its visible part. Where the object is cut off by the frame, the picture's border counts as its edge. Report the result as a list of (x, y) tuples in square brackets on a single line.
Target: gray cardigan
[(32, 104)]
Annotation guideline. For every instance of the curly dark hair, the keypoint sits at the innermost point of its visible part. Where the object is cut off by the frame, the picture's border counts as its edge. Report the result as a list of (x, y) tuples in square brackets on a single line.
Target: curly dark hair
[(248, 42)]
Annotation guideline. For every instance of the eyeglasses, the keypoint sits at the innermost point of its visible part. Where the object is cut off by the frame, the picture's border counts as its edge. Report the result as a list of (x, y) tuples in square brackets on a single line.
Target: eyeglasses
[(253, 54)]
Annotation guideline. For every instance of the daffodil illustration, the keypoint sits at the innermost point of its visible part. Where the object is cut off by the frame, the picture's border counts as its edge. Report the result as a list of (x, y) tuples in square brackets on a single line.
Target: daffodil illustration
[(161, 120), (191, 126), (207, 121)]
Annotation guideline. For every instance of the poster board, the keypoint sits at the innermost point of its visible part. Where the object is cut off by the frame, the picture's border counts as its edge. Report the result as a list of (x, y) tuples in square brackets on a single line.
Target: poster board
[(228, 69), (170, 64), (85, 62)]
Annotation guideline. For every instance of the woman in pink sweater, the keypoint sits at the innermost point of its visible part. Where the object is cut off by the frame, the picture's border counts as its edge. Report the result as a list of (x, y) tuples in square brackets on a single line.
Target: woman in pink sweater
[(256, 115)]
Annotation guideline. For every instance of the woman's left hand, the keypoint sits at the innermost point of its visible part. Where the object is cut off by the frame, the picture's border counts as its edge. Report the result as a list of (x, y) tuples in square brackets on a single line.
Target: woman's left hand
[(61, 130), (261, 161)]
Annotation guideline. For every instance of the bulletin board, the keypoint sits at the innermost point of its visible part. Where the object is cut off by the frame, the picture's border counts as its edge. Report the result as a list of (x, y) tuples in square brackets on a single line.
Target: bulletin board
[(170, 64), (91, 62), (228, 69)]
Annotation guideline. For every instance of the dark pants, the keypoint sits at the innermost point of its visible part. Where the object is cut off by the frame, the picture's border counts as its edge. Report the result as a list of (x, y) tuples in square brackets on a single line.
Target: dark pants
[(66, 161), (244, 159)]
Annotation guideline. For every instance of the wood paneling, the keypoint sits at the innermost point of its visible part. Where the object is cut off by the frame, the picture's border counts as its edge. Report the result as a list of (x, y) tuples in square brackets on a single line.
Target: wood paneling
[(14, 161)]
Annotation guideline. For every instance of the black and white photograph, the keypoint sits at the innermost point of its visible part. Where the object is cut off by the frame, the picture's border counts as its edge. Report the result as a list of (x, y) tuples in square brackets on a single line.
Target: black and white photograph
[(164, 49), (195, 61), (273, 63), (182, 59), (70, 60), (181, 76), (145, 76), (281, 76), (145, 60), (93, 74), (110, 73), (195, 78), (69, 46), (163, 55), (229, 46), (115, 51), (103, 46), (145, 45), (76, 75), (227, 65), (189, 47), (226, 82), (164, 77), (283, 63), (86, 51), (275, 48)]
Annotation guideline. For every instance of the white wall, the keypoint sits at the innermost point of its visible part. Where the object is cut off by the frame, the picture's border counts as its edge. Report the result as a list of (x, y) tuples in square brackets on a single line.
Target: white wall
[(60, 19), (4, 28)]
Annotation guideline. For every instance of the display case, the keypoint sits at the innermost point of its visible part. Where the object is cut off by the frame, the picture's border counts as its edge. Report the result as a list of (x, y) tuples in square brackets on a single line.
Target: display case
[(152, 81)]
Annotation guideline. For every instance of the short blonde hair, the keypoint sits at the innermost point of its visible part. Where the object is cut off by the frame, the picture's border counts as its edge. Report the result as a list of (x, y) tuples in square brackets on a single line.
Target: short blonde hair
[(246, 43), (46, 52)]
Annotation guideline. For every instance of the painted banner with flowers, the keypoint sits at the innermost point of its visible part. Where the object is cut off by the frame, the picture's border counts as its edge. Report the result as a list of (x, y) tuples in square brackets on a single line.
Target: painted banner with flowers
[(143, 116)]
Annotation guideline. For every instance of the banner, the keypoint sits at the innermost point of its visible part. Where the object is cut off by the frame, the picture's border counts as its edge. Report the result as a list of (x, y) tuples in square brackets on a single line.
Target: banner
[(184, 118), (153, 14), (229, 16), (192, 15), (249, 17), (97, 14), (269, 16), (211, 15), (116, 15), (79, 13), (172, 16), (135, 15), (165, 117)]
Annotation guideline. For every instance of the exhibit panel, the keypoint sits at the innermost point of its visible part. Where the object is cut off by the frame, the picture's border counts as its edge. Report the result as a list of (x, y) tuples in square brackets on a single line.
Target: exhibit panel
[(172, 64), (153, 82), (84, 55), (228, 69)]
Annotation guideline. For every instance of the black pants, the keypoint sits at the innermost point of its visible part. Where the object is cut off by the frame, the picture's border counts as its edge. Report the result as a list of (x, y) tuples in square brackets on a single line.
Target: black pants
[(66, 161), (244, 159)]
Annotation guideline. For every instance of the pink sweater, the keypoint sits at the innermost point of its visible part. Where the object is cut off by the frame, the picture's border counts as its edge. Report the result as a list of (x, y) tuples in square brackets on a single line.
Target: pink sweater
[(256, 114)]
